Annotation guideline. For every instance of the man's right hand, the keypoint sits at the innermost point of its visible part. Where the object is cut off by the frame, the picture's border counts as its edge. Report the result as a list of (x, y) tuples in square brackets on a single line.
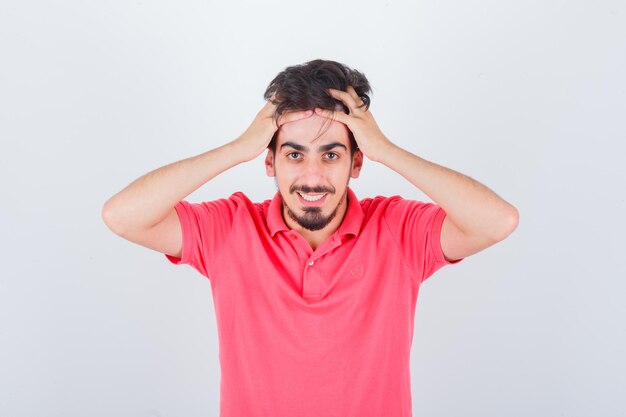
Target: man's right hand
[(258, 135)]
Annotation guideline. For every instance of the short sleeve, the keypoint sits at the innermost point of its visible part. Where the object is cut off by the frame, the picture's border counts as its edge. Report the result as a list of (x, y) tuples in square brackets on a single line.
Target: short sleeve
[(205, 229), (416, 227)]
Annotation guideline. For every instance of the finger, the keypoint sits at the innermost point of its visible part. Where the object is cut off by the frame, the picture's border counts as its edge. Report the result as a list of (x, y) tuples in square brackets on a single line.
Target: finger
[(345, 97), (333, 115), (267, 110), (292, 116), (270, 104), (356, 97), (353, 93)]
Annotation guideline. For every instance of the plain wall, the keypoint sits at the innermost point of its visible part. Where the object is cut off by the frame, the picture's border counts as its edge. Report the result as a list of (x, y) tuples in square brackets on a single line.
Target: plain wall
[(527, 97)]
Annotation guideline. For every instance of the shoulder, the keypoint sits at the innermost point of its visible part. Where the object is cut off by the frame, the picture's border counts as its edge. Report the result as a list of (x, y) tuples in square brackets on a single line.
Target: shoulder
[(398, 210), (246, 207), (238, 205), (240, 198), (244, 203), (382, 203), (237, 202)]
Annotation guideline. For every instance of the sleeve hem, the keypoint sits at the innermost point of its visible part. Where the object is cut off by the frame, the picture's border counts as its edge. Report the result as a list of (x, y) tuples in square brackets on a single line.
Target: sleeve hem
[(183, 218), (436, 245)]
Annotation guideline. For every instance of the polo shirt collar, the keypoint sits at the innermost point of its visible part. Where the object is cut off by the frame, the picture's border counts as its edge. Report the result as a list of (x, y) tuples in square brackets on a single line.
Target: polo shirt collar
[(275, 220), (353, 219), (351, 223)]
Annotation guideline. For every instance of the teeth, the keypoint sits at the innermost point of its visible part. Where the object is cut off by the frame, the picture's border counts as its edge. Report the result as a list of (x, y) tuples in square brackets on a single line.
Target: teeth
[(312, 197)]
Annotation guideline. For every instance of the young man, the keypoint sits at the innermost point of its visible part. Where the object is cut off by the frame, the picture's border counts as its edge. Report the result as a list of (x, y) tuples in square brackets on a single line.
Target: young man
[(314, 290)]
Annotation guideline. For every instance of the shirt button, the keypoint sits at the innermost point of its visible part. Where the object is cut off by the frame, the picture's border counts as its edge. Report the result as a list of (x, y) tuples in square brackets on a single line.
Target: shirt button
[(311, 263), (293, 236)]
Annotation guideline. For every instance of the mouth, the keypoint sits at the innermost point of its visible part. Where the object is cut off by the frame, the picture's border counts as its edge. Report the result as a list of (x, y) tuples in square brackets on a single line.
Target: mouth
[(312, 199)]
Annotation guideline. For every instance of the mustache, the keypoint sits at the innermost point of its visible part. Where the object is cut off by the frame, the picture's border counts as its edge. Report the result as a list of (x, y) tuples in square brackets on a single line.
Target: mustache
[(307, 189)]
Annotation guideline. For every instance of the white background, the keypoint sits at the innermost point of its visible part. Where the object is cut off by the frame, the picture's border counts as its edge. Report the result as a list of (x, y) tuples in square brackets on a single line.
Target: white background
[(528, 97)]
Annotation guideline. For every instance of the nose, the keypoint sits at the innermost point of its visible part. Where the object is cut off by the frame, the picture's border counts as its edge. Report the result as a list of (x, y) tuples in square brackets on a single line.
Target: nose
[(312, 172)]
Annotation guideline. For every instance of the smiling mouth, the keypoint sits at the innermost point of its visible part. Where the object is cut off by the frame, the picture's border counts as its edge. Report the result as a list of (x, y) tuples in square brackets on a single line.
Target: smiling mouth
[(312, 197)]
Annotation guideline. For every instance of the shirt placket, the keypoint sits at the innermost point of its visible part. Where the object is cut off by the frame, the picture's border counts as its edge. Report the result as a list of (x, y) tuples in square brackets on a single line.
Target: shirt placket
[(312, 276)]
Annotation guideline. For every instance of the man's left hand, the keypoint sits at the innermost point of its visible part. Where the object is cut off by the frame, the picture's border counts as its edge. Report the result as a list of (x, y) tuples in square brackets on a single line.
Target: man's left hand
[(370, 139)]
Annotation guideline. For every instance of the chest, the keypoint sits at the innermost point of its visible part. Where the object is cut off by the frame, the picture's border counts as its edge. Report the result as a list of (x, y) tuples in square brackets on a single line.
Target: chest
[(368, 266)]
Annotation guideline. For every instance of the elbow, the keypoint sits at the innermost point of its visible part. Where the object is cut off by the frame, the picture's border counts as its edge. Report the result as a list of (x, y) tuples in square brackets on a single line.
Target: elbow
[(508, 224), (108, 218)]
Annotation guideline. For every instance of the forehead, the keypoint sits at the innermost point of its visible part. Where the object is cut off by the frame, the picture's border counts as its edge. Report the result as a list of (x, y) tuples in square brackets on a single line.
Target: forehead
[(305, 131)]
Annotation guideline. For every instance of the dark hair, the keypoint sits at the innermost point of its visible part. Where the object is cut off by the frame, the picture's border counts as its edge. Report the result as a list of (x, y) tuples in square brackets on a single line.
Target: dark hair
[(303, 87)]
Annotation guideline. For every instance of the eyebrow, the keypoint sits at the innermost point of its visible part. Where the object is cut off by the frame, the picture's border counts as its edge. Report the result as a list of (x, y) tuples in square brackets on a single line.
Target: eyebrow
[(322, 148)]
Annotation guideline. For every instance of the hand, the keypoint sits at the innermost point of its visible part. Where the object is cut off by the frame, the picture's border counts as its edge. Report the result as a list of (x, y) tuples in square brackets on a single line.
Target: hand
[(258, 135), (371, 141)]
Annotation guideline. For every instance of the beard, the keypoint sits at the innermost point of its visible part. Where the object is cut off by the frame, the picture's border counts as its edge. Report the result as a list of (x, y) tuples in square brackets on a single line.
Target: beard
[(313, 219)]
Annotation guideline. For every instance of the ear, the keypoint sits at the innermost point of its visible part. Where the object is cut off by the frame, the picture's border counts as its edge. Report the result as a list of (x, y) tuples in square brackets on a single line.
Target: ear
[(269, 163), (357, 163)]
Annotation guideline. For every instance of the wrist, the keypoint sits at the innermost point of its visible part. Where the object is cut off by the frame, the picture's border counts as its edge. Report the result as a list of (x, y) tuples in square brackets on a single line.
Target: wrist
[(384, 151), (247, 147)]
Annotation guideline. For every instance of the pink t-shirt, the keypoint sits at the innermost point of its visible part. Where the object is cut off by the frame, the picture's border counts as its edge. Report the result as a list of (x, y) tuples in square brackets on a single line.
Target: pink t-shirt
[(303, 333)]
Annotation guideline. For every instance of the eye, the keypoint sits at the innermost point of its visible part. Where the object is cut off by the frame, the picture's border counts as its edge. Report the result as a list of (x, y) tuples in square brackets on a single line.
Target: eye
[(293, 155), (331, 155)]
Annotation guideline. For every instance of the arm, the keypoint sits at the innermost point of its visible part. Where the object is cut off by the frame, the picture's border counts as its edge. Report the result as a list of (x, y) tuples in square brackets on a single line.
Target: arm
[(476, 217), (150, 200)]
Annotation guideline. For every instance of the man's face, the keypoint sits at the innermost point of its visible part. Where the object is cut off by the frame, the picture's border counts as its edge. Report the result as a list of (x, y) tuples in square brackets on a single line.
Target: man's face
[(312, 171)]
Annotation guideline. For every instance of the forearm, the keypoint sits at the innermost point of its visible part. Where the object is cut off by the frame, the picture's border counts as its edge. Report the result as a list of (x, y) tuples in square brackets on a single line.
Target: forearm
[(471, 206), (150, 198)]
